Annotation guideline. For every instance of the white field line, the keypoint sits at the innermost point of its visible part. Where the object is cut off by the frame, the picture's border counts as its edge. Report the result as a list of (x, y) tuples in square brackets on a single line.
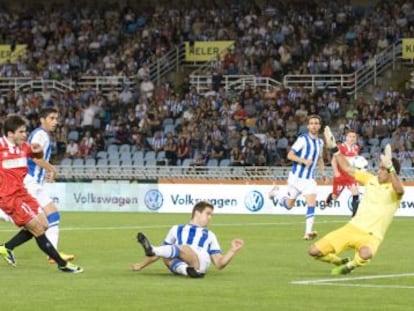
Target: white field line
[(342, 281), (252, 224)]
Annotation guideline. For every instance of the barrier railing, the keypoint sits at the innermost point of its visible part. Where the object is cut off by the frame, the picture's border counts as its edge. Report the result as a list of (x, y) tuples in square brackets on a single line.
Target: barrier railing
[(173, 59), (248, 173)]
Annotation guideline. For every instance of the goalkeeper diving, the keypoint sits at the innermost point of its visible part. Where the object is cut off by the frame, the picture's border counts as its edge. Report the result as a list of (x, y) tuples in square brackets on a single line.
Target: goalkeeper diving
[(366, 230)]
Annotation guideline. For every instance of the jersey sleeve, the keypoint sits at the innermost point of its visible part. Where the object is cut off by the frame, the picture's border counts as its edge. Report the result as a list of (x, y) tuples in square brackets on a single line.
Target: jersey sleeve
[(41, 138), (299, 144), (27, 149), (171, 237), (362, 177), (214, 247)]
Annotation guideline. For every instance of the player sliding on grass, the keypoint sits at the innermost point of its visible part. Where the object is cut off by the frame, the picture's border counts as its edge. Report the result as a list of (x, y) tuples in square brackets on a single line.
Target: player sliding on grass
[(189, 249), (366, 230)]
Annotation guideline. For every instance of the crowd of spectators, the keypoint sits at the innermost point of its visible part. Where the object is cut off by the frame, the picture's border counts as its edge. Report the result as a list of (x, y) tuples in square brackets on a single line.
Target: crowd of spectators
[(182, 125)]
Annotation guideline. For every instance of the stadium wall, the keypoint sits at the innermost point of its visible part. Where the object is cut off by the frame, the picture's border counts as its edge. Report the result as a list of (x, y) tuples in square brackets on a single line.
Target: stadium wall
[(228, 198)]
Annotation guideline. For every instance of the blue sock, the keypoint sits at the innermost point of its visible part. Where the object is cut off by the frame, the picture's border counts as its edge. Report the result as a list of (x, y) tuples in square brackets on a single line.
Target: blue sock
[(283, 202)]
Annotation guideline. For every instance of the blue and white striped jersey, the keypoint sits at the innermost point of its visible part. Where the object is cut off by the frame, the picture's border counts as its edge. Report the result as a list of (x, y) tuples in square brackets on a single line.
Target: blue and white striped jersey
[(40, 136), (198, 238), (308, 148)]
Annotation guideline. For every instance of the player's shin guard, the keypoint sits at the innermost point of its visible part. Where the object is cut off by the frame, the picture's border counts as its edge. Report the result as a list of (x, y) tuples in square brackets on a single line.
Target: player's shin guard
[(46, 246), (52, 232), (310, 218), (167, 251)]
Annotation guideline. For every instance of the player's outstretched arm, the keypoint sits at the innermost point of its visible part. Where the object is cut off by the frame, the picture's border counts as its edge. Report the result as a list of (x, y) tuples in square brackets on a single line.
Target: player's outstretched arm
[(142, 264), (333, 148), (386, 161), (221, 261)]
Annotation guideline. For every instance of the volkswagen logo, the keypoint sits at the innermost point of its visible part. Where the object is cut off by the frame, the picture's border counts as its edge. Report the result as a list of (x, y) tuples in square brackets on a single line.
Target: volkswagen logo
[(254, 201), (153, 200)]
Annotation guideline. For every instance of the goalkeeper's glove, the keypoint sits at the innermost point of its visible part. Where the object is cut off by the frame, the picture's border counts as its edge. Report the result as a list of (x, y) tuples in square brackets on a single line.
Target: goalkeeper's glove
[(330, 141), (386, 159)]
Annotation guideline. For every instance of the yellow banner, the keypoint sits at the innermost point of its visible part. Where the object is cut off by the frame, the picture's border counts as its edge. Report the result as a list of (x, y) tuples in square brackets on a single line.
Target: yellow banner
[(7, 54), (204, 51), (408, 48)]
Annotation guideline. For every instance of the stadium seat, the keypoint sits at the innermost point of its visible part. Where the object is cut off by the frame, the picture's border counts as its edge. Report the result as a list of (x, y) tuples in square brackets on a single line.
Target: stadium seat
[(212, 162), (66, 162), (224, 162), (125, 148), (101, 154), (73, 135), (112, 148)]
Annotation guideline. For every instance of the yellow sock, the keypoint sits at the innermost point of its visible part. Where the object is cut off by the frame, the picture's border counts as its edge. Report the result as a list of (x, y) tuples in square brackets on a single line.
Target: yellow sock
[(331, 258), (358, 261)]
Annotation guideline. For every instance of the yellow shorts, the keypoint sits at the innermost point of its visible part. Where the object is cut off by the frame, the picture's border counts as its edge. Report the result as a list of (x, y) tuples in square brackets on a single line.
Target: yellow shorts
[(347, 237)]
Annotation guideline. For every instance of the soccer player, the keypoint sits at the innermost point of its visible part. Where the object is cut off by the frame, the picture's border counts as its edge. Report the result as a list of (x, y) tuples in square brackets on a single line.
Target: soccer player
[(15, 200), (36, 175), (348, 148), (189, 249), (366, 230), (306, 154)]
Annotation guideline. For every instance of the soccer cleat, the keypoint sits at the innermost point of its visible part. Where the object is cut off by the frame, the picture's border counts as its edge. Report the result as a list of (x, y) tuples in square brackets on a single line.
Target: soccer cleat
[(65, 257), (145, 243), (310, 235), (345, 260), (70, 268), (193, 273), (8, 255), (342, 269), (328, 201), (273, 192)]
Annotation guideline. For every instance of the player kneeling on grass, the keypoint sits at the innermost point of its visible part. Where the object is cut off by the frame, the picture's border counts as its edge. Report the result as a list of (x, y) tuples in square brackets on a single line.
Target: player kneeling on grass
[(366, 230), (189, 249)]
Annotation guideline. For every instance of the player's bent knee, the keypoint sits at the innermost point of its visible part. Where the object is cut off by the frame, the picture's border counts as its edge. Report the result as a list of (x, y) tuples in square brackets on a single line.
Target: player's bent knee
[(365, 253), (50, 208), (314, 251)]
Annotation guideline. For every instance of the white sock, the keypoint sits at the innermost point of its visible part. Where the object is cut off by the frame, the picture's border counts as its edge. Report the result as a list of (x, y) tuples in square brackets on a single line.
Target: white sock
[(166, 251), (310, 218), (179, 267), (52, 233)]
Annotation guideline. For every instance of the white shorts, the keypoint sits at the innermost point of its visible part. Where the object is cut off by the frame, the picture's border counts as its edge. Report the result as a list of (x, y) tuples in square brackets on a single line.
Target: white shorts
[(297, 186), (204, 259), (37, 191)]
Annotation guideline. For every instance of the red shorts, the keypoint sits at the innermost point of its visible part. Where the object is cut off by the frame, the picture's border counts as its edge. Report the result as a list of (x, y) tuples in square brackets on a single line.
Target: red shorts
[(339, 183), (21, 207)]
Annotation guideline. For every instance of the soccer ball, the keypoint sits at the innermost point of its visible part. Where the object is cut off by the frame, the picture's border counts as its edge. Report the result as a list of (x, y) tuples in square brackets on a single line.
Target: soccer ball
[(358, 162)]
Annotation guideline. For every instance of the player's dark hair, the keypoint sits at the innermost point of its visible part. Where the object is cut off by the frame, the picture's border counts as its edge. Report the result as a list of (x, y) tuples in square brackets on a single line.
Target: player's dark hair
[(200, 207), (314, 116), (44, 112), (397, 165), (13, 122)]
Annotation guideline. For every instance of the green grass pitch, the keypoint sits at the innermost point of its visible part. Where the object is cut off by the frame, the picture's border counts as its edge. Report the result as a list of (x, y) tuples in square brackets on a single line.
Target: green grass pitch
[(272, 272)]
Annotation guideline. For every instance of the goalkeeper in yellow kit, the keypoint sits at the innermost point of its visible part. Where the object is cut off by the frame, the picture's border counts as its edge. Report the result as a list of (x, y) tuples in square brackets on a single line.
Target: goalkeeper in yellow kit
[(366, 230)]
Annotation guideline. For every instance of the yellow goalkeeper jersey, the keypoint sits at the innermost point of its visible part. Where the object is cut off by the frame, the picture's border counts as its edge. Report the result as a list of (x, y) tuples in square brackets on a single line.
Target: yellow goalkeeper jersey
[(378, 205)]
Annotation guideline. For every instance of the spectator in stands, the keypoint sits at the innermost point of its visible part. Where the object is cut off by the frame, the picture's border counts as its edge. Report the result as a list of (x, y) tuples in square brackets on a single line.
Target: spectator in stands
[(183, 149), (217, 150), (170, 148), (158, 142), (72, 150)]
